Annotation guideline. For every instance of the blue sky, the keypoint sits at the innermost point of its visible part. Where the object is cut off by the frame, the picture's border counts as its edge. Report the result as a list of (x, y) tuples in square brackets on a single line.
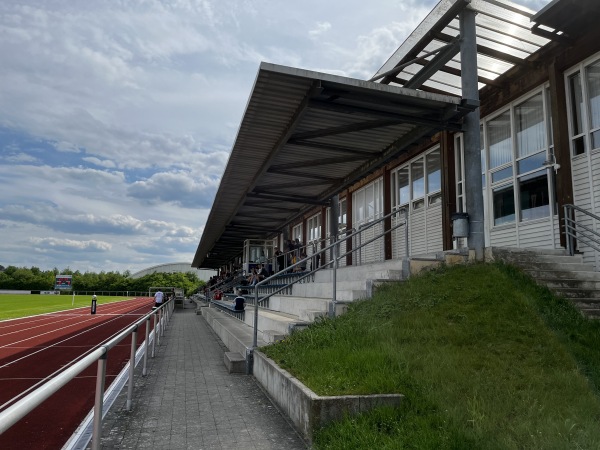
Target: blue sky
[(117, 117)]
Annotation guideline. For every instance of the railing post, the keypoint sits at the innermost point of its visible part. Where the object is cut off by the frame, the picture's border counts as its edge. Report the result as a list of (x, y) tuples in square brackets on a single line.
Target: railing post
[(255, 336), (155, 335), (98, 402), (334, 277), (131, 368), (568, 233), (161, 319), (406, 233), (147, 335)]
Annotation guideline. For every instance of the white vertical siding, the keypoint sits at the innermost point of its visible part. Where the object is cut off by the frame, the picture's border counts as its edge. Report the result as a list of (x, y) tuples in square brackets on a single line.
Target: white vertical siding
[(434, 229), (586, 195)]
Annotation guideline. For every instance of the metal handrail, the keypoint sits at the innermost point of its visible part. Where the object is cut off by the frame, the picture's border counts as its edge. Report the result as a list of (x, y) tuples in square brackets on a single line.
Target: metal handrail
[(333, 262), (24, 406), (576, 231)]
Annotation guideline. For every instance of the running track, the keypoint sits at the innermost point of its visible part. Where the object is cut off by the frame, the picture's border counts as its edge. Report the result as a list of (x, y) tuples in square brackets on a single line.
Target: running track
[(35, 347)]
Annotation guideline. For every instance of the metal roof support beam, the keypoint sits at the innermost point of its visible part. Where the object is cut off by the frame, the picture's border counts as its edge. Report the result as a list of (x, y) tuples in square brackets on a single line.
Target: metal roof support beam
[(290, 198), (470, 92), (449, 51), (313, 176), (320, 162)]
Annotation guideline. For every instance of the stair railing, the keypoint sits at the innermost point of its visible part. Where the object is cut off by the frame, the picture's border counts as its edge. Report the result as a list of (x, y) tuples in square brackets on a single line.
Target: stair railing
[(577, 232), (334, 263)]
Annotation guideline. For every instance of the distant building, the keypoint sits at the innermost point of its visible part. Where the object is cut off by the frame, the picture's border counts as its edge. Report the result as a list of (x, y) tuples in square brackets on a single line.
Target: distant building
[(182, 267)]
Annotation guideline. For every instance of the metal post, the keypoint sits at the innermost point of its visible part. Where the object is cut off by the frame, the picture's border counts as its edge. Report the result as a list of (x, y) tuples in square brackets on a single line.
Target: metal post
[(131, 368), (147, 335), (470, 93), (568, 233), (255, 337), (157, 329), (334, 215), (161, 319), (98, 402), (154, 337), (406, 232)]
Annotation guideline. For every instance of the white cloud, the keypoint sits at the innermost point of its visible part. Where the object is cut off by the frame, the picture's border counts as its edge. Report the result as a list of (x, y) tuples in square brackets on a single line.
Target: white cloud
[(321, 28)]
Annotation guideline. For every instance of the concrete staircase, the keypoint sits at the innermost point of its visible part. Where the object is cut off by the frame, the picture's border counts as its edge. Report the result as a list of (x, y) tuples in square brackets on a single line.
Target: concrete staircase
[(308, 301), (565, 275)]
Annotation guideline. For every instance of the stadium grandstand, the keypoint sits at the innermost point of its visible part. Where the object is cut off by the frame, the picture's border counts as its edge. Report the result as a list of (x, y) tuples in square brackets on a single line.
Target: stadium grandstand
[(183, 267)]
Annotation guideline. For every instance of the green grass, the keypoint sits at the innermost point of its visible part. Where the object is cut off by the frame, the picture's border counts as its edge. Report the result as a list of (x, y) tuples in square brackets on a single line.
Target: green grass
[(485, 358), (14, 306)]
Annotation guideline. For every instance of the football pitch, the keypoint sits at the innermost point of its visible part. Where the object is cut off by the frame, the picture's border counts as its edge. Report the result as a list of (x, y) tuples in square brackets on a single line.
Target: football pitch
[(13, 306)]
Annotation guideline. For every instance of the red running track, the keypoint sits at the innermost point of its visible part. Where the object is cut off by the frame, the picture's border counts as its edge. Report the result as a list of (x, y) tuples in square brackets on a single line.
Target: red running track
[(34, 348)]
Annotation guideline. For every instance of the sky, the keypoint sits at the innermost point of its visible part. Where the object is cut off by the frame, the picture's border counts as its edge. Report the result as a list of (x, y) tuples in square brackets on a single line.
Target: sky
[(117, 116)]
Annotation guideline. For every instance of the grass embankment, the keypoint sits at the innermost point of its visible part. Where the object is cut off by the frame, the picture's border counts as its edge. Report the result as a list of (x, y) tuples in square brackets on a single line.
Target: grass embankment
[(22, 305), (485, 358)]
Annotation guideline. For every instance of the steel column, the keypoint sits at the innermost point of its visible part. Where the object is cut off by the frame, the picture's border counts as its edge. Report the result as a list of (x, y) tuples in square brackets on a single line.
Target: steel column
[(470, 92)]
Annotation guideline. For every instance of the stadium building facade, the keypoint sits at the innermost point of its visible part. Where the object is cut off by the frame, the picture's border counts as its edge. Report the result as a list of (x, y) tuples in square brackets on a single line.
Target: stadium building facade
[(487, 109)]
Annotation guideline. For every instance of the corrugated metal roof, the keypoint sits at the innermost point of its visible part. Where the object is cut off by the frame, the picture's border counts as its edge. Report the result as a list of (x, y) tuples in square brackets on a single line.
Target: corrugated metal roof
[(304, 137), (506, 37)]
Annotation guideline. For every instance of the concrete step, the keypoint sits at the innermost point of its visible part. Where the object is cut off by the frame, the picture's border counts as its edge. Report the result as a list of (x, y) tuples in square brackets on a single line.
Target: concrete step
[(350, 290), (296, 305), (280, 322), (577, 293), (561, 274), (569, 283)]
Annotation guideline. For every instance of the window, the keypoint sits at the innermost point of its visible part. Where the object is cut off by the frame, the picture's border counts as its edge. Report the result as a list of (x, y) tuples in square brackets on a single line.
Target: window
[(403, 186), (297, 233), (499, 138), (434, 177), (503, 199), (533, 194), (418, 183), (368, 202), (593, 87), (342, 218), (517, 148), (576, 100), (314, 228)]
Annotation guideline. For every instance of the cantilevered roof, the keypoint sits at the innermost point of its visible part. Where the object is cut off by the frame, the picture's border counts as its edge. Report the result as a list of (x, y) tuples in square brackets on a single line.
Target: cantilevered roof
[(304, 137), (429, 59)]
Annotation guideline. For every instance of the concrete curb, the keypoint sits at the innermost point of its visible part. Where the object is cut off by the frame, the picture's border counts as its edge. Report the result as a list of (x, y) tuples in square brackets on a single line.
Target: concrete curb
[(307, 410)]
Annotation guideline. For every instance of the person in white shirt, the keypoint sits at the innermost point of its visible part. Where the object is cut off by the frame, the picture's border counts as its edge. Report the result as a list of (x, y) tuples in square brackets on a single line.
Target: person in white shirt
[(158, 298)]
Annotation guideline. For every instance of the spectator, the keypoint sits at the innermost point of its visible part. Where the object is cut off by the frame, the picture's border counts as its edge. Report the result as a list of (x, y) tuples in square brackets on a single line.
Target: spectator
[(239, 301), (253, 278), (264, 273), (280, 258), (158, 298)]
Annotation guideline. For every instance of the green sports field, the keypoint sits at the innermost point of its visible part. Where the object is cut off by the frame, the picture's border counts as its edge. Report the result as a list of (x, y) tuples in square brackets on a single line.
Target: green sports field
[(22, 305)]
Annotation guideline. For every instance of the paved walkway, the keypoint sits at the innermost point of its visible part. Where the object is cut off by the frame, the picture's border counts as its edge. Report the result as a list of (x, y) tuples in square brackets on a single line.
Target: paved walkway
[(188, 400)]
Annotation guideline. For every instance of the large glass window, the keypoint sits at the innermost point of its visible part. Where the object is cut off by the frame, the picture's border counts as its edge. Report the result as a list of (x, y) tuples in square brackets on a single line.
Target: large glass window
[(419, 182), (516, 144)]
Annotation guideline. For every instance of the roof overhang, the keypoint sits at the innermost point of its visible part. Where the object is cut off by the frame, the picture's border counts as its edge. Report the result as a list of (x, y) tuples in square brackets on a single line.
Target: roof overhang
[(429, 59), (566, 19), (306, 136)]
